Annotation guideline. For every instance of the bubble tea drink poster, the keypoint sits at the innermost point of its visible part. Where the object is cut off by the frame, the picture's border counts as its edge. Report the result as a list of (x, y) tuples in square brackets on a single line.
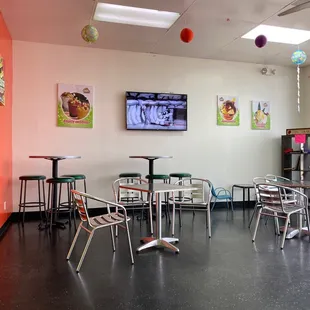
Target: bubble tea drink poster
[(228, 113), (75, 106)]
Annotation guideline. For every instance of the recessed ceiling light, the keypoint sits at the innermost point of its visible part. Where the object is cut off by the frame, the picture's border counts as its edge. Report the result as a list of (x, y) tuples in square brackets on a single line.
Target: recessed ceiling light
[(113, 13), (279, 34)]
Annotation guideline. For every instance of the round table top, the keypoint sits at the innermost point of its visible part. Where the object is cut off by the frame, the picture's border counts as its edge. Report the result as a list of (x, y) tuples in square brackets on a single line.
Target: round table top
[(150, 157), (56, 157)]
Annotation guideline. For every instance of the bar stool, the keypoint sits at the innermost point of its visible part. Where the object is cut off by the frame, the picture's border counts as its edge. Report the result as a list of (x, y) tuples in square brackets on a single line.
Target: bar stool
[(179, 176), (76, 177), (165, 178), (60, 207), (23, 194), (130, 175)]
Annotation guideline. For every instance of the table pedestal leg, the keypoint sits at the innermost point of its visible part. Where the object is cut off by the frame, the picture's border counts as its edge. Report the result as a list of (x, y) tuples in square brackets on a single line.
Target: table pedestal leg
[(158, 241)]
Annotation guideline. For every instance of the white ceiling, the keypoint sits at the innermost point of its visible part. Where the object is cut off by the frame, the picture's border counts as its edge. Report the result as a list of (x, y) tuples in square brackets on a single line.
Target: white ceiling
[(216, 37)]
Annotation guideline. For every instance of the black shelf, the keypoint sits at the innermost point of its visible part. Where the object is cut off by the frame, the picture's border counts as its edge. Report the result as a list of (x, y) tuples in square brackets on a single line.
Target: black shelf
[(297, 153), (292, 164), (290, 169)]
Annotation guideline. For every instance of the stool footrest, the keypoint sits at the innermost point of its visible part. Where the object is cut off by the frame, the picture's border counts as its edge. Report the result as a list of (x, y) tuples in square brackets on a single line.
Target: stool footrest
[(31, 204)]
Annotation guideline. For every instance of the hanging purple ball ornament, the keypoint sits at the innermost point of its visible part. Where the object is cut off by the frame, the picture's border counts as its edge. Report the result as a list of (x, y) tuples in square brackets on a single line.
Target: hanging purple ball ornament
[(261, 41)]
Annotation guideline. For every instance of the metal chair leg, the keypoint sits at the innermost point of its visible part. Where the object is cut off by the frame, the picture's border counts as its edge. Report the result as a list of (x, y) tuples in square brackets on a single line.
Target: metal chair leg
[(112, 238), (285, 231), (276, 222), (213, 204), (173, 220), (85, 251), (129, 242), (74, 241), (209, 220), (253, 214), (256, 224)]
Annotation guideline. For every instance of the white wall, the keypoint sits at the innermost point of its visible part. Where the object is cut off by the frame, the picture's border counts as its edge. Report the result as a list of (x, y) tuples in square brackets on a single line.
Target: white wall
[(225, 155), (305, 96)]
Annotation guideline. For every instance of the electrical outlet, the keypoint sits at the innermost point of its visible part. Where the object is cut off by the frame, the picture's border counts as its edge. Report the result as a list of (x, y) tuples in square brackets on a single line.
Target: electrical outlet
[(4, 205)]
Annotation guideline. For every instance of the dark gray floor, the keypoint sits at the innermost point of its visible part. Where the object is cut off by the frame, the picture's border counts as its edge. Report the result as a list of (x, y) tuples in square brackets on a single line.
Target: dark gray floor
[(226, 272)]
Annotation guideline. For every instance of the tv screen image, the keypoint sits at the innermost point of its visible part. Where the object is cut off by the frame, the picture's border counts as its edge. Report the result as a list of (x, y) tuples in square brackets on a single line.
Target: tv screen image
[(156, 111)]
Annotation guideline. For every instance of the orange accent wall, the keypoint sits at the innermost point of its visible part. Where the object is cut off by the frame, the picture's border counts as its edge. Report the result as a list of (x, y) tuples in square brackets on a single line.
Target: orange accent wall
[(6, 125)]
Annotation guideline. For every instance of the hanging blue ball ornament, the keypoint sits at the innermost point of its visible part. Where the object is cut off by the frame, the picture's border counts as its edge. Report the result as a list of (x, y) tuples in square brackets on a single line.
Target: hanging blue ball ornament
[(299, 57)]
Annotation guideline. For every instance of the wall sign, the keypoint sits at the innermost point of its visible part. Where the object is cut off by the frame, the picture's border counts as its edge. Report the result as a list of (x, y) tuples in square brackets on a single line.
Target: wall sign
[(228, 113), (75, 106), (2, 83), (260, 115)]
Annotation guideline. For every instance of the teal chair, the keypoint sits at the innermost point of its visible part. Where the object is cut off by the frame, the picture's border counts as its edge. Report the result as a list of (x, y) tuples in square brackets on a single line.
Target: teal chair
[(221, 193)]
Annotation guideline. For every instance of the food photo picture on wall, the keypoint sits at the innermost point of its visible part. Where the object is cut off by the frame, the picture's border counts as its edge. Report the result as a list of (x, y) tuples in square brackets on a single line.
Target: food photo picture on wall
[(260, 115), (75, 106), (228, 113)]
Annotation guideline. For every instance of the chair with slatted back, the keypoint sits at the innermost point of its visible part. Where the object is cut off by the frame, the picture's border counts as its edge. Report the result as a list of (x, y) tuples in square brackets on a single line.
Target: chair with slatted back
[(110, 219), (197, 199), (132, 200), (273, 199)]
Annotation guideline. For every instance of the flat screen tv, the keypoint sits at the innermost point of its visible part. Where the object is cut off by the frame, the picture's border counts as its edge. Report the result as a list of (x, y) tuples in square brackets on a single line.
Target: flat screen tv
[(156, 111)]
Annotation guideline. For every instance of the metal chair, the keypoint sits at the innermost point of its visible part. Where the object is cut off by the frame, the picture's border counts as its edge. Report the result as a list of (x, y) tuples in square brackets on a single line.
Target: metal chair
[(221, 193), (269, 178), (132, 199), (110, 219), (198, 199), (273, 198), (257, 202)]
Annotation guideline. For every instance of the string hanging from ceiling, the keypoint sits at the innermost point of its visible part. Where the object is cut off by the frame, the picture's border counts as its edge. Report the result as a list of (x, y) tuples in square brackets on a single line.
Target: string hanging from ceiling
[(89, 33), (298, 58)]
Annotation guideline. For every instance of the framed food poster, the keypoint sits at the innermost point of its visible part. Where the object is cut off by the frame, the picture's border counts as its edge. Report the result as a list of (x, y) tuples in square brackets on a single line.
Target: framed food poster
[(260, 115), (2, 83), (228, 113), (75, 106)]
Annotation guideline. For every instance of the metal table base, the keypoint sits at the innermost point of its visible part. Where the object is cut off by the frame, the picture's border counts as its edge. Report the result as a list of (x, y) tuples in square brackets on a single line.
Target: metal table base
[(158, 241)]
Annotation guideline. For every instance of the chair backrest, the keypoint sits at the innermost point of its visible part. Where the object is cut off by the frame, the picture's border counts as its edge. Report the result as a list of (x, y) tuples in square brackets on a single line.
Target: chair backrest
[(270, 196), (201, 193), (272, 177), (213, 191), (122, 195), (258, 180), (79, 200)]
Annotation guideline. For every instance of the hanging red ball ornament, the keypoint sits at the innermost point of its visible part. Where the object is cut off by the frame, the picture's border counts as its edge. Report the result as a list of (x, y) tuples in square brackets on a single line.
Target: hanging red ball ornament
[(260, 41), (187, 35)]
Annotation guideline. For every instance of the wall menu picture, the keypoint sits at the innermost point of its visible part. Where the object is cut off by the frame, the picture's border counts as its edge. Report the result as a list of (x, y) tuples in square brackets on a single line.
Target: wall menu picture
[(228, 113), (260, 115), (2, 83), (75, 106)]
